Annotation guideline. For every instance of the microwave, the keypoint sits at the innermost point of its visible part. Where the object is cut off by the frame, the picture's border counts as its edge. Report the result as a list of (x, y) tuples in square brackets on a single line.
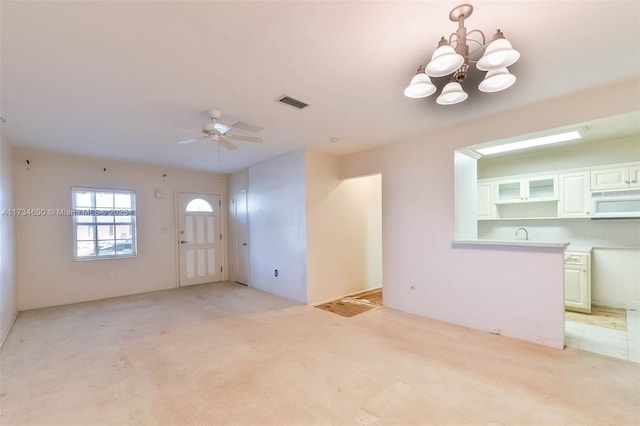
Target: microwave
[(622, 203)]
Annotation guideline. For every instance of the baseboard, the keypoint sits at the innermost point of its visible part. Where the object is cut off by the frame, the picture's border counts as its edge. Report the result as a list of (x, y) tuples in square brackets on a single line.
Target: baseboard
[(72, 301), (344, 295), (629, 304), (13, 321)]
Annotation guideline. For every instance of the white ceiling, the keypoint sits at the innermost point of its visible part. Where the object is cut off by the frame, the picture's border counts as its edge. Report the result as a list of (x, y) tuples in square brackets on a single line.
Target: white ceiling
[(110, 79)]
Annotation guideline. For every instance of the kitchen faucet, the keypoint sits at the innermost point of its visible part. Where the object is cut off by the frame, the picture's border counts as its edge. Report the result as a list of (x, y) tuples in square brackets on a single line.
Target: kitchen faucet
[(526, 233)]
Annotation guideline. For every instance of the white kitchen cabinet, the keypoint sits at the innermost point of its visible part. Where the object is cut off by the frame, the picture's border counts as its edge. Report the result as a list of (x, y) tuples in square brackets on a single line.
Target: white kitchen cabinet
[(616, 178), (575, 199), (577, 282), (528, 189), (486, 207)]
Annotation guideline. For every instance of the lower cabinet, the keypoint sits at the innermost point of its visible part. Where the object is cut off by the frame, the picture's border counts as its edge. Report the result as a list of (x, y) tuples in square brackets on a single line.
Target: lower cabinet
[(577, 282)]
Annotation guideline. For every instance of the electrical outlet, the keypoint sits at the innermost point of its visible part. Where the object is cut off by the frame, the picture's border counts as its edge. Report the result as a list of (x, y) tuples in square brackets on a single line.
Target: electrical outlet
[(275, 272)]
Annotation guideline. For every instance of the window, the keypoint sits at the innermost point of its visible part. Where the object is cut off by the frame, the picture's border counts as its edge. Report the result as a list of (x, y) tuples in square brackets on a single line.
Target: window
[(104, 223), (199, 205)]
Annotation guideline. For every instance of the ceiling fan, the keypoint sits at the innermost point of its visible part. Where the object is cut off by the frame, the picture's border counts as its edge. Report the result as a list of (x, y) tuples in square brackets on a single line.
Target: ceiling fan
[(218, 132)]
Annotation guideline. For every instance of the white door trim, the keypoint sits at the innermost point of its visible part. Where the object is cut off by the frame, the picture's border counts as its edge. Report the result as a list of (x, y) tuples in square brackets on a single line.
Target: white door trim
[(176, 220)]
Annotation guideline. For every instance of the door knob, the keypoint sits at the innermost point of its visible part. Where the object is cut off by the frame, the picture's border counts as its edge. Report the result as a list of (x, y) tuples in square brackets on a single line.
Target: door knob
[(244, 244), (184, 242)]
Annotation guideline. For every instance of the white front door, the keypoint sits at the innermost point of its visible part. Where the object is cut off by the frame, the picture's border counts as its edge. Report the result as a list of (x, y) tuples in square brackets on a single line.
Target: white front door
[(241, 237), (199, 238)]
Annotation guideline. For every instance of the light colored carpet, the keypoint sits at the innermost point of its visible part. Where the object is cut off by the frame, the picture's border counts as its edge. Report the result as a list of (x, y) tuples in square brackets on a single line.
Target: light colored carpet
[(225, 354), (602, 316)]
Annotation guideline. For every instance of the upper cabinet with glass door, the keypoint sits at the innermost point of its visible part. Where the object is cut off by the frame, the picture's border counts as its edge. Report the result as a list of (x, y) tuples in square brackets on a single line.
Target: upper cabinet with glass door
[(524, 190)]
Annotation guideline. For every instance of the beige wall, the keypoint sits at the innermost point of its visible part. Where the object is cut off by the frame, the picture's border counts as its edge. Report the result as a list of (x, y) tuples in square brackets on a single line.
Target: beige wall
[(238, 181), (480, 288), (8, 285), (344, 230), (47, 273), (277, 226), (323, 234)]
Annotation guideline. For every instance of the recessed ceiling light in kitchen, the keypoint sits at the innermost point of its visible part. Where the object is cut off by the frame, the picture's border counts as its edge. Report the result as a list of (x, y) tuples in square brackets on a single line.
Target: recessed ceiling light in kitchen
[(530, 143)]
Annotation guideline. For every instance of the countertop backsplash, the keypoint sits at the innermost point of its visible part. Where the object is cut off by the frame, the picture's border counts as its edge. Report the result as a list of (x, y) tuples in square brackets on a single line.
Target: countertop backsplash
[(583, 234)]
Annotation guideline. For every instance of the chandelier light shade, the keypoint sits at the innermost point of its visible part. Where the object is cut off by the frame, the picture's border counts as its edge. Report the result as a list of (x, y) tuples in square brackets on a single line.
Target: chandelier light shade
[(452, 94), (420, 86), (499, 54), (497, 80), (444, 61), (453, 56)]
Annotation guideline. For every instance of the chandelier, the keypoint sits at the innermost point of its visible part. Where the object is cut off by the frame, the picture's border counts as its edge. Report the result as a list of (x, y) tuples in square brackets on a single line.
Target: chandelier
[(452, 58)]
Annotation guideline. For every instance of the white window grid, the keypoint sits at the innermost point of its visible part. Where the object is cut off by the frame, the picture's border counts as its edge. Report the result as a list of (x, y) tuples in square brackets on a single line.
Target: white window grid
[(100, 216)]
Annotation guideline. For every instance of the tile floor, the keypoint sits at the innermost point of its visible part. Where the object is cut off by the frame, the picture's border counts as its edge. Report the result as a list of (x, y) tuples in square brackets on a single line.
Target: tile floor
[(624, 344)]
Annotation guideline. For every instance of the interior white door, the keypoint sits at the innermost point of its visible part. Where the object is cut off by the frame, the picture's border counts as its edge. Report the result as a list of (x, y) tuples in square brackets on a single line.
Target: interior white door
[(241, 237), (199, 238)]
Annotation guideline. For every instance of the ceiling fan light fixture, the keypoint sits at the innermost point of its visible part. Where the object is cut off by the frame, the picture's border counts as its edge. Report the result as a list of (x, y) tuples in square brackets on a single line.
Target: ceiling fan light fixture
[(420, 85), (452, 93), (217, 132), (215, 114), (497, 80), (221, 128), (499, 54)]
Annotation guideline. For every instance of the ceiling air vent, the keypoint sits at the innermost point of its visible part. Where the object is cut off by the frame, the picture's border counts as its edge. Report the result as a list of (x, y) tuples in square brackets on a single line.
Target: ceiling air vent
[(288, 100)]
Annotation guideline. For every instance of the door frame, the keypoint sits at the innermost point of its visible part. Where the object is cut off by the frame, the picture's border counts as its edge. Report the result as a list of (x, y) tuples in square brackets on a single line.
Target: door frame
[(233, 235), (176, 231)]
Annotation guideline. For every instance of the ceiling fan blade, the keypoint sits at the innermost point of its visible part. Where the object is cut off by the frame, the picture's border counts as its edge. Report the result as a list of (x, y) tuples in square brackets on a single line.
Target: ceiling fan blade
[(225, 142), (246, 126), (246, 138), (187, 141), (185, 130)]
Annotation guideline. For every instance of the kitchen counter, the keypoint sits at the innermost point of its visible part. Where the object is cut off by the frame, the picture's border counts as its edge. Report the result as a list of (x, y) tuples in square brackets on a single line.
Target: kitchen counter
[(509, 243)]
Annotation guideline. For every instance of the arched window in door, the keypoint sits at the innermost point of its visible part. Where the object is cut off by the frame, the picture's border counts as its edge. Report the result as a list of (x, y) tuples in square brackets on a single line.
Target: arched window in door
[(199, 205)]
